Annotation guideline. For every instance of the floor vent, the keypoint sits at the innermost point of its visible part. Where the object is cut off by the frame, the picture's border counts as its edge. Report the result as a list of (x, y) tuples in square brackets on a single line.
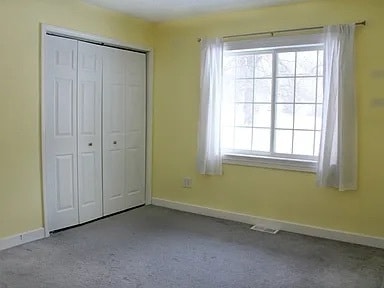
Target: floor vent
[(264, 229)]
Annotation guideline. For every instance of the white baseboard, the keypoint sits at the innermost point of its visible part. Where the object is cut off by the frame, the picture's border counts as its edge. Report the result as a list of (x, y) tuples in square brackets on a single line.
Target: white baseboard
[(21, 238), (337, 235)]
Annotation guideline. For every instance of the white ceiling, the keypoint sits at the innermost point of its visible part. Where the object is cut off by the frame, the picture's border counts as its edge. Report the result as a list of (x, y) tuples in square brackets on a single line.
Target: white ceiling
[(160, 10)]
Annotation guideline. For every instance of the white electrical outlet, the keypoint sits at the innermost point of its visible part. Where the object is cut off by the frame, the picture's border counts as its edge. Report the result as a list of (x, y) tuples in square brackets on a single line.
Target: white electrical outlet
[(187, 182)]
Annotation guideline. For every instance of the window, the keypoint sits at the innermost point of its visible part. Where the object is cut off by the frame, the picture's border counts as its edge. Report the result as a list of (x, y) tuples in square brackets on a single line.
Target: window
[(272, 103)]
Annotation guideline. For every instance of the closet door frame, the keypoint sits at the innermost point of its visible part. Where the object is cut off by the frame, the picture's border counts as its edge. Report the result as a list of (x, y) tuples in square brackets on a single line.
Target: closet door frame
[(90, 38)]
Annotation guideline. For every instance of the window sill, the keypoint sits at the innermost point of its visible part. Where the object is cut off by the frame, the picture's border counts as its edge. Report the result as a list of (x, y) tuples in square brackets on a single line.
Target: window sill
[(271, 162)]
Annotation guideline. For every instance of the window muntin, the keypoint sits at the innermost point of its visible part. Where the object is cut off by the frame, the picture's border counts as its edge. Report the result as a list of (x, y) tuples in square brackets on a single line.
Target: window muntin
[(273, 101)]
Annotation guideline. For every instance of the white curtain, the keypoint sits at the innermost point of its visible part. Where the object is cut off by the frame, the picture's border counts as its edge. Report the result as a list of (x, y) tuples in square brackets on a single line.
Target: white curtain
[(337, 166), (211, 82)]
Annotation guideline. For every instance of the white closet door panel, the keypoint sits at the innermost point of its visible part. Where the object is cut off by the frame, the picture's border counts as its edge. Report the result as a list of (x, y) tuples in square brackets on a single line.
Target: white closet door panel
[(65, 182), (114, 113), (114, 186), (135, 178), (114, 98), (60, 132), (89, 131), (89, 180), (135, 122)]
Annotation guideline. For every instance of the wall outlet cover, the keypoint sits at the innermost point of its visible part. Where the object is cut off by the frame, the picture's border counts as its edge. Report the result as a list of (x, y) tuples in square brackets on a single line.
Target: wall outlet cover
[(187, 182)]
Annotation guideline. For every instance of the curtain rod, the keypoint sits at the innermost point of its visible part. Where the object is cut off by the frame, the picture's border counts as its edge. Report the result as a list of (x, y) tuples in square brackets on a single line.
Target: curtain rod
[(272, 33)]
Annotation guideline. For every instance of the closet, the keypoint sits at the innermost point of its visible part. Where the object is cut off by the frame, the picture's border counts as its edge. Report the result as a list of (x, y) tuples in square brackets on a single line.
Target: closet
[(94, 130)]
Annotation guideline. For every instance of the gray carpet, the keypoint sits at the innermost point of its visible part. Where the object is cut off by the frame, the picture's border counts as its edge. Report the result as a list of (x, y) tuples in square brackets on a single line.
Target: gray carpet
[(156, 247)]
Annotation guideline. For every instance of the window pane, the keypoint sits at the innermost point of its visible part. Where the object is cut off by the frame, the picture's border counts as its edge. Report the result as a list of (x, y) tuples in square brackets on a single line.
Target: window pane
[(228, 112), (229, 89), (243, 138), (305, 116), (227, 137), (286, 64), (303, 142), (243, 115), (244, 91), (262, 115), (283, 141), (244, 66), (284, 116), (319, 117), (263, 65), (285, 88), (229, 71), (247, 96), (261, 140), (229, 66), (306, 63), (306, 90), (321, 63), (263, 90), (317, 143), (320, 88)]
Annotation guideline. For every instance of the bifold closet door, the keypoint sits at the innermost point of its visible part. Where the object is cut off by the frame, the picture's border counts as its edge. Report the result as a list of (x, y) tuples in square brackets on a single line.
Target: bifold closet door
[(135, 128), (60, 110), (94, 116), (114, 96), (89, 131), (124, 114), (72, 109)]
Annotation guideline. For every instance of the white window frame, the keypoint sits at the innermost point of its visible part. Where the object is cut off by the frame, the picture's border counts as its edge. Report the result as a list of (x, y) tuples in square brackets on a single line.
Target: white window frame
[(275, 160)]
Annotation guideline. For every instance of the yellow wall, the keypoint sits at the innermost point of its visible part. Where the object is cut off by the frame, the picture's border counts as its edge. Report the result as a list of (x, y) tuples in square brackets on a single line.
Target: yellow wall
[(283, 195), (20, 161), (289, 196)]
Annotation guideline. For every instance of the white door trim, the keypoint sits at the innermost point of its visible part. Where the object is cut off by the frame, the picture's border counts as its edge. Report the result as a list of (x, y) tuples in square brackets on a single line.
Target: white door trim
[(97, 39)]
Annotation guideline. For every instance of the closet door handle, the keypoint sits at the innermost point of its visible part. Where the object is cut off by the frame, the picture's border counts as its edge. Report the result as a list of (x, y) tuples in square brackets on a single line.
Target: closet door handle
[(90, 144), (114, 142)]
